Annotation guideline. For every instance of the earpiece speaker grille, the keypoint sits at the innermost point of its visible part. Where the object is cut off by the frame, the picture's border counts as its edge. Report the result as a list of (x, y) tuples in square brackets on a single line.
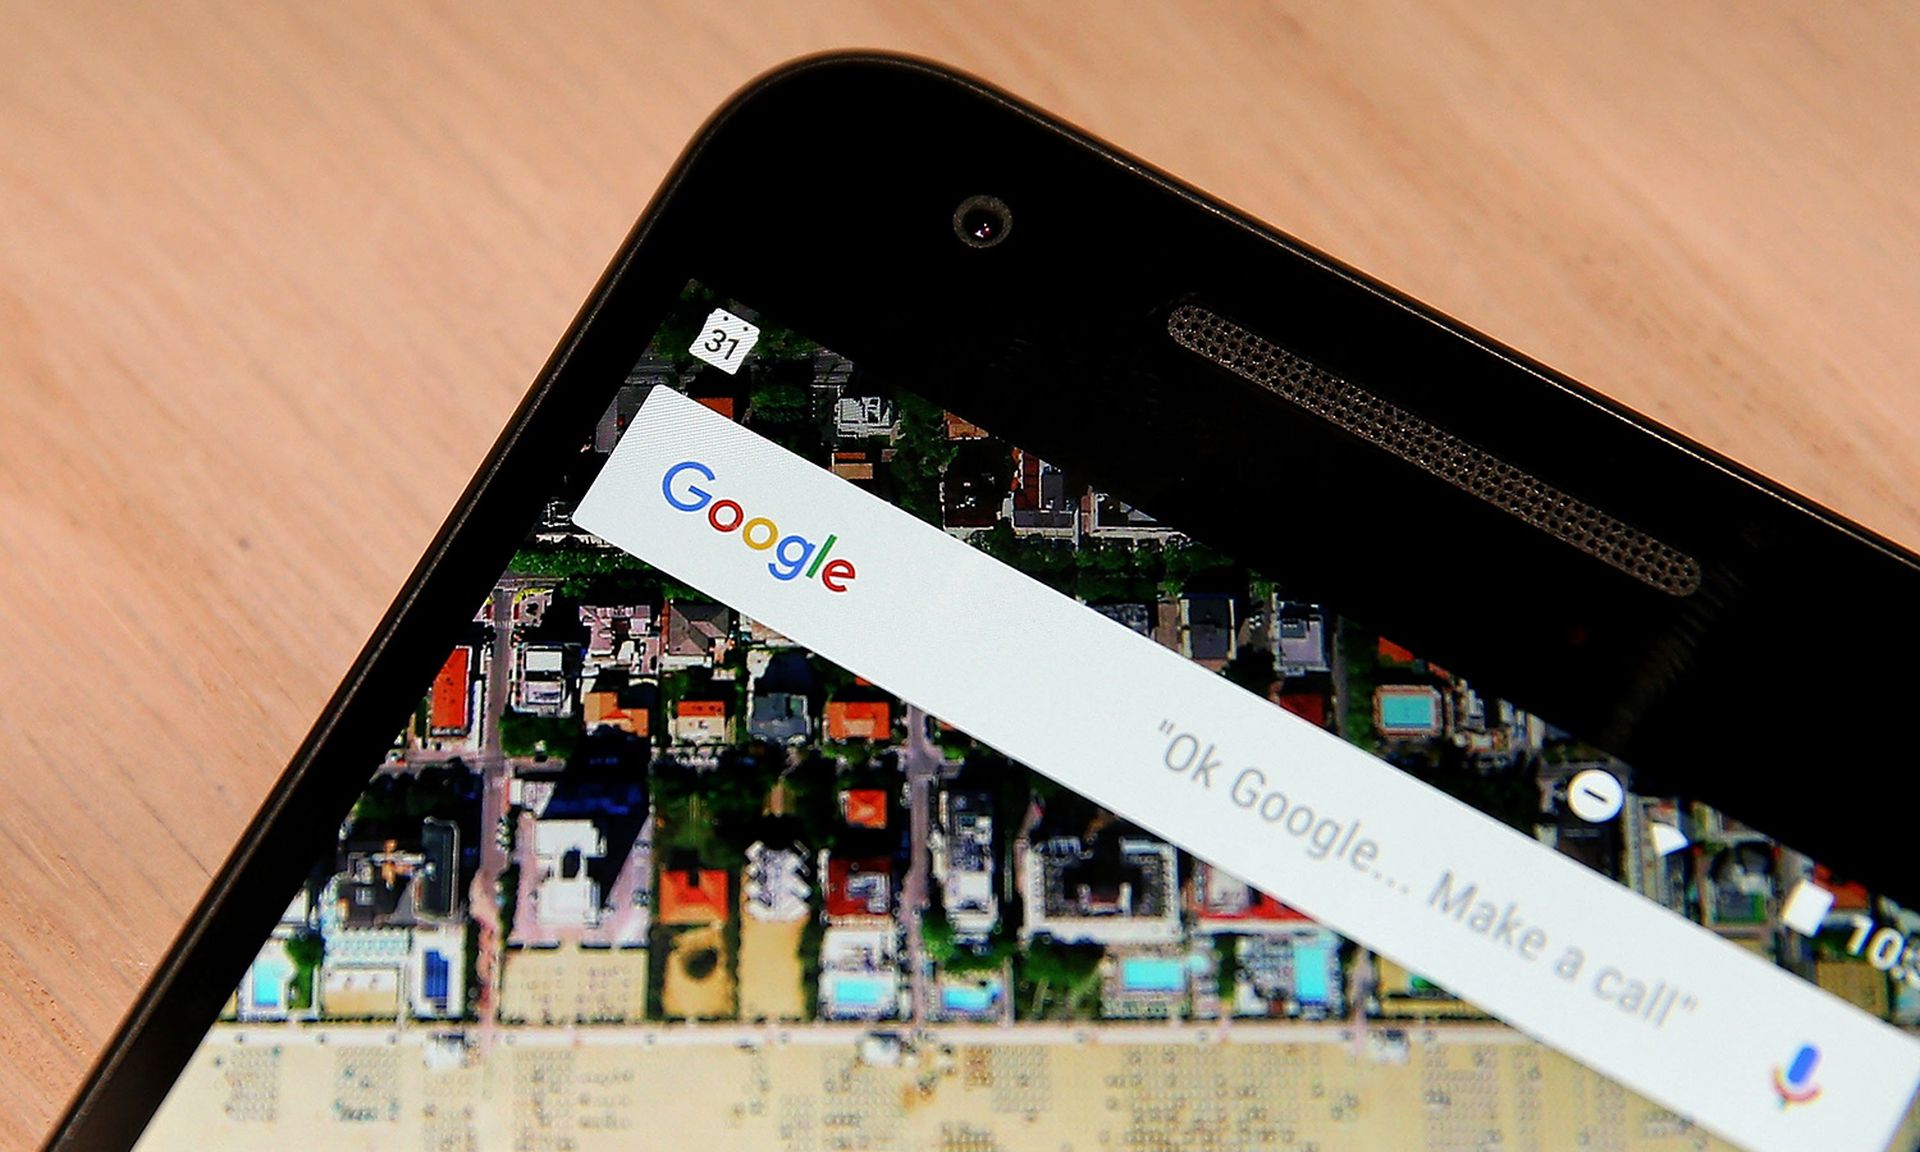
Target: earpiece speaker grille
[(1440, 453)]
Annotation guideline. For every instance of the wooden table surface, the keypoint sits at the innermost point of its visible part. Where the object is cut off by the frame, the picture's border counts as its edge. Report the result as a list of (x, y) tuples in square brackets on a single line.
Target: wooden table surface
[(272, 277)]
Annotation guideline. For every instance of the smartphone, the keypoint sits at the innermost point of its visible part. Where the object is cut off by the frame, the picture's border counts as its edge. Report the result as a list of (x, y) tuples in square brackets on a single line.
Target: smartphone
[(971, 644)]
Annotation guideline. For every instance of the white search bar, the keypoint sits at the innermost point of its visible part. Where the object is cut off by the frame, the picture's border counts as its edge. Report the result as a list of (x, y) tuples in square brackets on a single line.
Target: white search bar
[(1619, 983)]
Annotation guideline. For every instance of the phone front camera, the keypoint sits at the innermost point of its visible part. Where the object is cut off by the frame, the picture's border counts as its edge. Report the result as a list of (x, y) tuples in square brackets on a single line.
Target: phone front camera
[(982, 221)]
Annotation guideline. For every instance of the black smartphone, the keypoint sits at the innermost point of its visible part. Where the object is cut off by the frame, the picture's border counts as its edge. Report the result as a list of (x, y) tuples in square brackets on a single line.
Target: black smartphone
[(971, 644)]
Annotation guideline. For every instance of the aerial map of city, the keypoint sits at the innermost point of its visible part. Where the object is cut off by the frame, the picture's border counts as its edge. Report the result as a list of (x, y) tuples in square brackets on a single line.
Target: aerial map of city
[(641, 872)]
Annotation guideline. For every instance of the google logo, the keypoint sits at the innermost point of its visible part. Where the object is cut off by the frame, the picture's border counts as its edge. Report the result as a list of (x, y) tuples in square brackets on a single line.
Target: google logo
[(793, 555)]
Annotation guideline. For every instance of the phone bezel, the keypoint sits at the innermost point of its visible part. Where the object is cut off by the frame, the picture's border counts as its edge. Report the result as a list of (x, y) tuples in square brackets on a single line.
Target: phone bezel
[(1056, 338)]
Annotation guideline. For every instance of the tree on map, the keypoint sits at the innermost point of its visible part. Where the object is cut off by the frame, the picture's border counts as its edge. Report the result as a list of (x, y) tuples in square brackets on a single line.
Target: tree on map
[(936, 933), (524, 734), (1068, 965)]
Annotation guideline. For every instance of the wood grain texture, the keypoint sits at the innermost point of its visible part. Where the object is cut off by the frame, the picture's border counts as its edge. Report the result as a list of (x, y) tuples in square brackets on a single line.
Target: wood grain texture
[(273, 277)]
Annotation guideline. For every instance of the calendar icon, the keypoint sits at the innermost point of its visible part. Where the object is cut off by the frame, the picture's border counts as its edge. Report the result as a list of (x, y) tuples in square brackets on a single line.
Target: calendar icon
[(724, 341)]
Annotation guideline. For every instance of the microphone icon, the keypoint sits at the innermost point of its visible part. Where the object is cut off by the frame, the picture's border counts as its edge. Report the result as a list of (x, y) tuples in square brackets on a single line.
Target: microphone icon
[(1794, 1083)]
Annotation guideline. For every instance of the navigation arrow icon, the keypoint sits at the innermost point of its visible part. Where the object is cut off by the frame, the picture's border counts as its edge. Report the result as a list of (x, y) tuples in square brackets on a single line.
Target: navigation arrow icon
[(1667, 839)]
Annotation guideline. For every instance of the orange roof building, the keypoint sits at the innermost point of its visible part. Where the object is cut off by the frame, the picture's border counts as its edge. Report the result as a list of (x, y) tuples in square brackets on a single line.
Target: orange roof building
[(451, 710), (857, 465), (1309, 706), (1847, 897), (859, 890), (959, 429), (693, 896), (1224, 902), (720, 404), (864, 807), (700, 721), (627, 710), (1261, 908), (859, 719), (1391, 653)]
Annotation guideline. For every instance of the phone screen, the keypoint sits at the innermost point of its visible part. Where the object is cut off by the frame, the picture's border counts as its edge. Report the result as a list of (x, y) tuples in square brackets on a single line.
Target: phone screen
[(828, 773)]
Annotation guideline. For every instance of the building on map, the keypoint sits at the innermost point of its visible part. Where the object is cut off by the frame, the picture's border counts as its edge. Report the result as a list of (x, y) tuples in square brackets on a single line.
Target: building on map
[(364, 974), (1295, 973), (963, 863), (1285, 964), (859, 720), (1222, 902), (453, 701), (860, 417), (780, 718), (974, 486), (859, 952), (621, 636), (1209, 629), (775, 883), (698, 634), (1106, 516), (854, 464), (387, 880), (1654, 863), (864, 807), (721, 405), (554, 525), (1312, 705), (693, 896), (760, 635), (1736, 868), (831, 373), (529, 607), (860, 973), (367, 943), (543, 679), (1301, 638), (437, 893), (959, 428), (1398, 656), (585, 854), (1120, 889), (616, 700), (700, 721), (858, 890), (1043, 501), (566, 895)]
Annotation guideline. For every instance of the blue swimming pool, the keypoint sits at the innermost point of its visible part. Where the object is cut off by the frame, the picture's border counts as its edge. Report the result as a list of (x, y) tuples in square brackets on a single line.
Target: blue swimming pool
[(270, 975), (438, 975), (1310, 967), (861, 991), (970, 997), (1409, 712), (1152, 974)]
